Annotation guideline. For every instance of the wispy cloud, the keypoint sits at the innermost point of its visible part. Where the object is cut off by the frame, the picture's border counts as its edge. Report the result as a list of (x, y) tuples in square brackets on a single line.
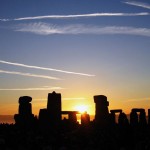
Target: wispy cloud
[(4, 19), (32, 89), (138, 99), (44, 68), (77, 16), (75, 98), (139, 4), (29, 75), (49, 29)]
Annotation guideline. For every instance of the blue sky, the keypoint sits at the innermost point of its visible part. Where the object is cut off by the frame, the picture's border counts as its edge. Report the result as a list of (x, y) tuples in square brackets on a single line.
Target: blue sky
[(79, 48)]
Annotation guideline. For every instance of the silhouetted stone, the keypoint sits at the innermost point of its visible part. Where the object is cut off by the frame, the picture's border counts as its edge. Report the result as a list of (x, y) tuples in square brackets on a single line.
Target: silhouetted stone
[(43, 115), (85, 119), (43, 120), (72, 117), (25, 99), (25, 118), (113, 115), (135, 119), (25, 107), (149, 116), (142, 118), (54, 133), (122, 119), (116, 111), (67, 133), (54, 107), (112, 119), (101, 112)]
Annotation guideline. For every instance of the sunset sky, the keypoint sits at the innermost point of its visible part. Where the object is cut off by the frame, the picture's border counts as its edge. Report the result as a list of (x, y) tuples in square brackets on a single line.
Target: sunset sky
[(79, 48)]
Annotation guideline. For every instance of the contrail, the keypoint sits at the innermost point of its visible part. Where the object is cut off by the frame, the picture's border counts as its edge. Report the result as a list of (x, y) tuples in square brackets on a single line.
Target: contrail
[(32, 89), (43, 68), (139, 4), (29, 74), (82, 15), (77, 16)]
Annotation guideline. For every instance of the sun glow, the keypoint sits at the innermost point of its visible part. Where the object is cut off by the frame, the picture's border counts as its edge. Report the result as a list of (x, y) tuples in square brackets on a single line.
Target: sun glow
[(81, 108)]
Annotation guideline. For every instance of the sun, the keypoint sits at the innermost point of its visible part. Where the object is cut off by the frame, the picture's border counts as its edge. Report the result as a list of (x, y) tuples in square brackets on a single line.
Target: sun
[(81, 108)]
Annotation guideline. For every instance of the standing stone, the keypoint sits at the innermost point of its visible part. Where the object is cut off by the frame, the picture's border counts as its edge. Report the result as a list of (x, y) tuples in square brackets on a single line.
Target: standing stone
[(101, 110)]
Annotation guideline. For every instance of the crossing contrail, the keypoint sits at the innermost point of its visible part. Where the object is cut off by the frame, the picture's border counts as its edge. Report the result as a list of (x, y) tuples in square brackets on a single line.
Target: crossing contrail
[(139, 4), (44, 68), (29, 74)]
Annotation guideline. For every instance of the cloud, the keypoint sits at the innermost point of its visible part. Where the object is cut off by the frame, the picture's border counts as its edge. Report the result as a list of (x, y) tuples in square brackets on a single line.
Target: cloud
[(138, 99), (32, 89), (77, 16), (44, 68), (49, 29), (4, 19), (75, 98), (29, 75), (139, 4)]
